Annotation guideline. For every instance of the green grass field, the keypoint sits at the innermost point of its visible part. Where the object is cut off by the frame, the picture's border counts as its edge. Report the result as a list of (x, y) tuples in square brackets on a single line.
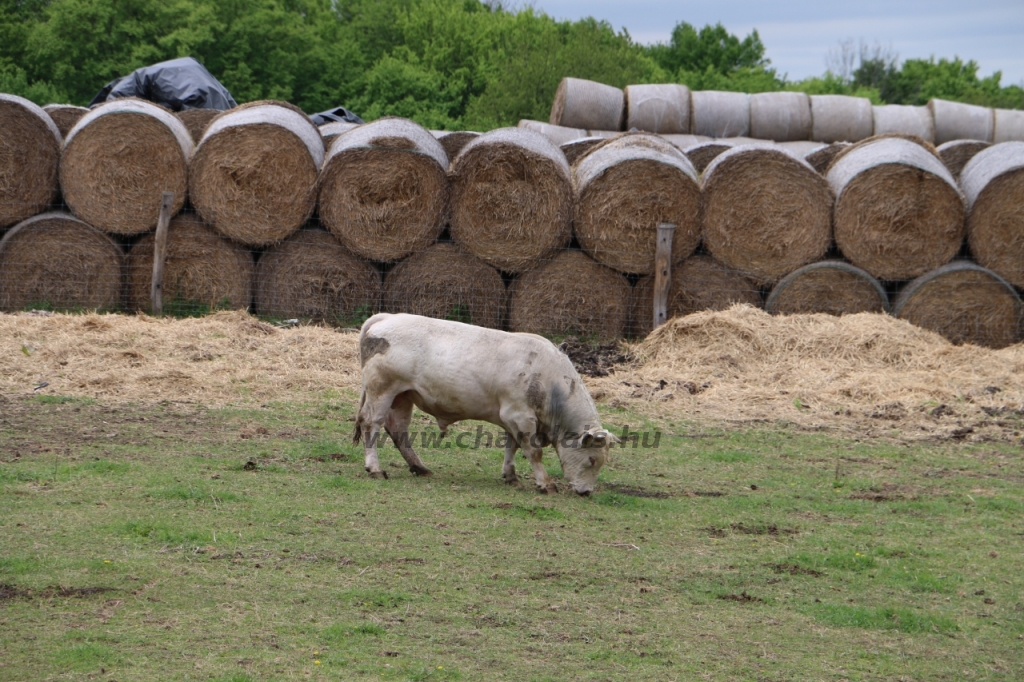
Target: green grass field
[(178, 542)]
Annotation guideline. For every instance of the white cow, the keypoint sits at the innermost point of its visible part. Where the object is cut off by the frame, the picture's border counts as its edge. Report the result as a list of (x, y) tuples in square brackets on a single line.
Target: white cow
[(454, 371)]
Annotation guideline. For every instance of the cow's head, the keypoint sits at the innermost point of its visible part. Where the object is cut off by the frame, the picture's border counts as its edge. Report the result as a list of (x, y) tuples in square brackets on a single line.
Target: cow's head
[(583, 455)]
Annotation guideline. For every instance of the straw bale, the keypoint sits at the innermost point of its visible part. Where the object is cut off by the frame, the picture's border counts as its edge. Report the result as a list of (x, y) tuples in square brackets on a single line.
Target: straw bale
[(585, 104), (684, 142), (821, 157), (511, 198), (253, 177), (65, 116), (570, 294), (661, 108), (453, 141), (832, 287), (196, 121), (993, 183), (766, 212), (604, 134), (957, 153), (29, 155), (780, 116), (203, 271), (700, 155), (964, 302), (698, 283), (384, 189), (56, 261), (905, 119), (624, 189), (577, 149), (720, 114), (898, 211), (557, 134), (841, 118), (958, 121), (311, 276), (801, 147), (445, 282), (1009, 126), (329, 131)]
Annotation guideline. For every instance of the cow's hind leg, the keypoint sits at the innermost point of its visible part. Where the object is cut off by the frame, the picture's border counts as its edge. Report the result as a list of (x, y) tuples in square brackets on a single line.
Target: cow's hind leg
[(508, 469), (372, 416), (397, 425)]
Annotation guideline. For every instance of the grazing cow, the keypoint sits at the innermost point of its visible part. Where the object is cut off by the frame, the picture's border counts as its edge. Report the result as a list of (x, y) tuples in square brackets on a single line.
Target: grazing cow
[(454, 371)]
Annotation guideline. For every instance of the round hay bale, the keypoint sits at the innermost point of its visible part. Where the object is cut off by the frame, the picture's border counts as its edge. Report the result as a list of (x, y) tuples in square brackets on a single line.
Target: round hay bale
[(841, 118), (766, 212), (196, 121), (904, 119), (720, 114), (959, 121), (511, 198), (821, 157), (557, 134), (957, 153), (624, 190), (329, 131), (801, 147), (701, 155), (253, 176), (658, 108), (384, 189), (454, 141), (604, 134), (780, 116), (29, 157), (585, 104), (832, 287), (684, 142), (570, 294), (118, 160), (577, 149), (55, 261), (993, 182), (311, 276), (898, 211), (698, 283), (1009, 126), (965, 303), (203, 271), (445, 282), (65, 116)]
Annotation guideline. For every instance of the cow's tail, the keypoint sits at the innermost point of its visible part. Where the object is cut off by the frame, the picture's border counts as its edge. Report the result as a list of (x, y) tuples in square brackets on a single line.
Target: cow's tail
[(357, 434)]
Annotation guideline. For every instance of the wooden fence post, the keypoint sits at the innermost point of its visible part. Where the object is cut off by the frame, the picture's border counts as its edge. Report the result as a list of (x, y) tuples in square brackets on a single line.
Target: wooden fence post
[(662, 272), (156, 291)]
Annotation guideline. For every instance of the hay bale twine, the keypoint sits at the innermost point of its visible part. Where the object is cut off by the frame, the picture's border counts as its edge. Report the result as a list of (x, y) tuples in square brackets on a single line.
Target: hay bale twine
[(959, 121), (833, 287), (203, 271), (557, 134), (311, 276), (700, 155), (445, 282), (29, 156), (329, 131), (821, 157), (766, 212), (720, 114), (196, 120), (661, 108), (511, 198), (56, 261), (957, 153), (577, 149), (904, 119), (117, 161), (993, 182), (898, 211), (964, 302), (1009, 126), (65, 116), (253, 176), (780, 116), (454, 140), (570, 294), (841, 118), (585, 104), (624, 189), (698, 283), (384, 189)]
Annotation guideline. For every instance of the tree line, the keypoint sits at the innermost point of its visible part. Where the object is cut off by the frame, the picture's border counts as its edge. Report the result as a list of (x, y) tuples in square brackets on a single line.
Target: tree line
[(448, 64)]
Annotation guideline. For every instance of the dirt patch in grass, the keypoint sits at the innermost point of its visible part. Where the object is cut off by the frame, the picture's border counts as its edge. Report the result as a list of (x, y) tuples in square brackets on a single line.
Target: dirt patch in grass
[(885, 493), (8, 591), (742, 598), (637, 491), (793, 569)]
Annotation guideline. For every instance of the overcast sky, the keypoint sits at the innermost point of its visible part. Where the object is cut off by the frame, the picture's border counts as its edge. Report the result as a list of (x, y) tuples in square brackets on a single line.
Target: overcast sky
[(799, 33)]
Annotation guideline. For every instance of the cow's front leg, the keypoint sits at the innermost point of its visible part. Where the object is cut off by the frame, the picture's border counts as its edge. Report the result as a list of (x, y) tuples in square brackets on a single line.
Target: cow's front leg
[(544, 482), (508, 469), (524, 426)]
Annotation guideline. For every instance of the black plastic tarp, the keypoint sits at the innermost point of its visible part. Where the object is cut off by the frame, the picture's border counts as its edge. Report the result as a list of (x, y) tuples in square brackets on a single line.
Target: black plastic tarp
[(332, 115), (176, 84)]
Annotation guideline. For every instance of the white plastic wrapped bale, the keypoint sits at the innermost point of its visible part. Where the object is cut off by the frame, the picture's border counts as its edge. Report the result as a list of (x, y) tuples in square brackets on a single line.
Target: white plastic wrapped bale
[(993, 183), (780, 116), (557, 134), (905, 120), (662, 108), (1009, 126), (586, 104), (841, 118), (958, 121), (720, 114)]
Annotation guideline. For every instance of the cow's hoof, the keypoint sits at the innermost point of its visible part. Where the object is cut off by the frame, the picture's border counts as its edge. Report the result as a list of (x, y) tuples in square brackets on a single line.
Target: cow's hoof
[(549, 489), (421, 471), (379, 474), (514, 480)]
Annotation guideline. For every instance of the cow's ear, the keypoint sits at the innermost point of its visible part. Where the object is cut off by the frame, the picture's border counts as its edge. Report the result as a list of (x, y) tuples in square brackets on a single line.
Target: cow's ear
[(587, 440), (612, 438)]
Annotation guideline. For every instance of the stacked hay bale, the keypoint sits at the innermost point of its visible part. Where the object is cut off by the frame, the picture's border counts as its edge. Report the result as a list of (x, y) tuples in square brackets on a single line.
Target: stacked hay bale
[(311, 276), (898, 211), (831, 287), (577, 149), (29, 155), (958, 121), (957, 153), (904, 119), (58, 262), (720, 114), (822, 157), (203, 271), (445, 282), (254, 174), (118, 160), (1009, 125), (454, 140), (557, 134), (511, 199), (585, 104), (384, 189), (329, 131), (661, 109), (701, 155), (196, 120), (840, 118), (65, 116), (624, 189), (780, 116), (993, 182)]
